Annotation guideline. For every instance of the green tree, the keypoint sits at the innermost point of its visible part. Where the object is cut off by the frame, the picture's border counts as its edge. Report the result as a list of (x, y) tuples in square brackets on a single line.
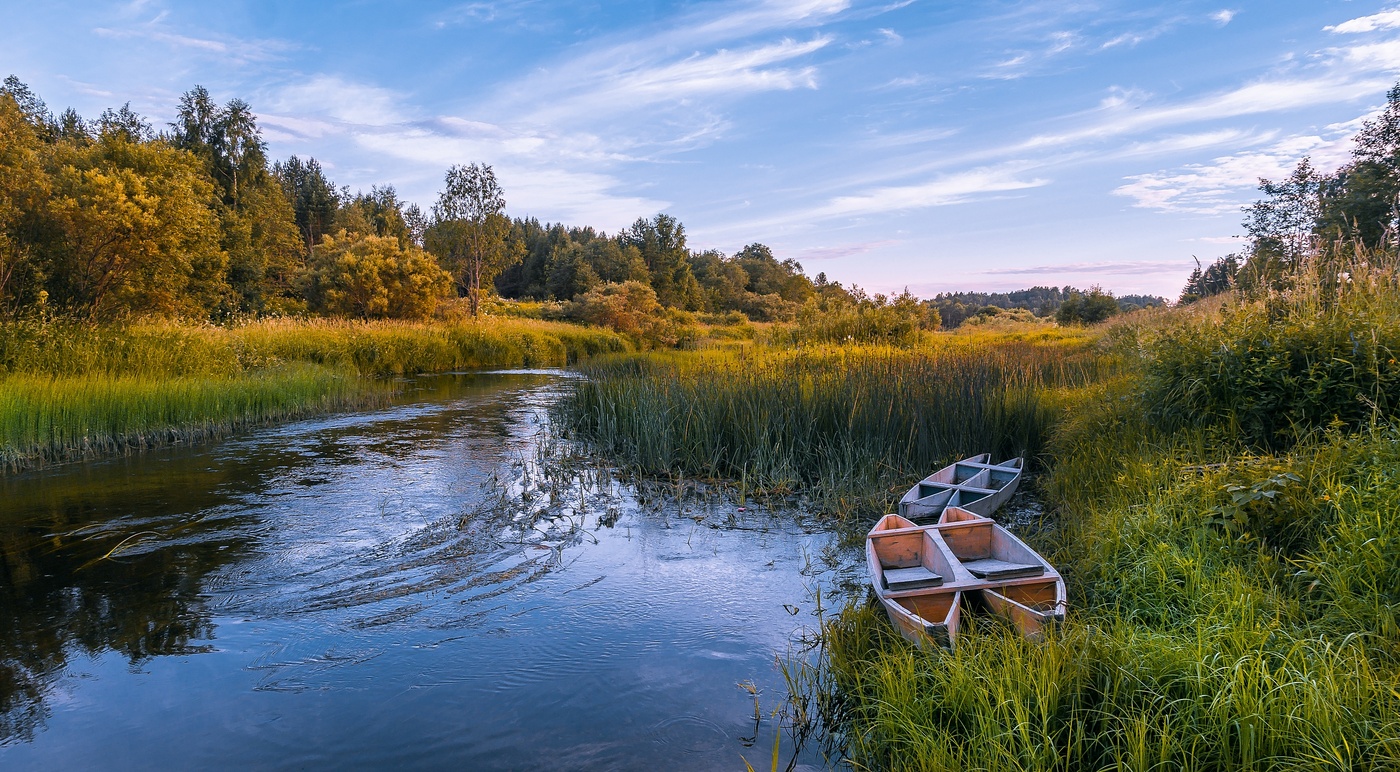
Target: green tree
[(314, 200), (378, 212), (376, 277), (470, 232), (1217, 278), (257, 223), (661, 243), (1087, 308), (24, 188), (130, 229)]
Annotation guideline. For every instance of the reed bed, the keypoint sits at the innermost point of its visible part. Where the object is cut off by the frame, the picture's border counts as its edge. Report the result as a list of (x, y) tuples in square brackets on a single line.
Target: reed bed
[(70, 390), (44, 419), (1224, 514), (61, 348), (848, 425)]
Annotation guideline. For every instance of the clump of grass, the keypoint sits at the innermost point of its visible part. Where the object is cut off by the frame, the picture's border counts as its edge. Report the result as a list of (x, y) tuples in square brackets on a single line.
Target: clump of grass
[(1112, 695), (1272, 368), (850, 425), (44, 419)]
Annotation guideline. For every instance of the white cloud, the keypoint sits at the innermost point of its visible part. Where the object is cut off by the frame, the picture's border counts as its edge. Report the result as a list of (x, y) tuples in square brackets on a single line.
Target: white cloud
[(1226, 183), (955, 188), (341, 100), (1224, 16), (843, 250), (1382, 20), (228, 50)]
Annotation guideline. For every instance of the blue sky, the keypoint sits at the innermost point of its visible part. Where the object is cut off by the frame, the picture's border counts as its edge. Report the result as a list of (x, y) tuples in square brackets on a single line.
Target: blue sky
[(929, 145)]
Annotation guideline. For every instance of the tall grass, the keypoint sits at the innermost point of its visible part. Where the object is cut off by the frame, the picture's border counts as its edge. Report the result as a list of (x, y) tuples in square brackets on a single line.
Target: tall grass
[(45, 419), (1225, 519), (72, 390), (846, 424), (64, 349)]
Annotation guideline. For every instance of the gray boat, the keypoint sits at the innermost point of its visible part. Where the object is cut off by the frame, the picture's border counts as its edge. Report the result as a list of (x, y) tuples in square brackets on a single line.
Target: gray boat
[(974, 484)]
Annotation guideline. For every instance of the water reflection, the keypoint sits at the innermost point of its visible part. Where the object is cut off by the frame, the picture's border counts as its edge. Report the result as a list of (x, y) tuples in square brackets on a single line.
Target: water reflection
[(404, 587)]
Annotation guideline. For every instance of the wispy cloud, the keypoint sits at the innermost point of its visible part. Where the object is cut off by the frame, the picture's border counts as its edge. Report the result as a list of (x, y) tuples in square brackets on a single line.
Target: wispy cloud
[(1224, 16), (945, 190), (1109, 268), (229, 50), (1376, 21), (843, 250), (1226, 183)]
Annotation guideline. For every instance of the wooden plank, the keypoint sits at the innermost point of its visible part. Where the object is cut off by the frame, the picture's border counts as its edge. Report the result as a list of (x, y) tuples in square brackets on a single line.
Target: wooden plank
[(991, 568), (914, 578)]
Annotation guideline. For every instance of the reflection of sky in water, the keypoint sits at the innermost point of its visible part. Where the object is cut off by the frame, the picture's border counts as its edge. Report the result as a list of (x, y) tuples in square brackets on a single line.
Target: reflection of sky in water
[(355, 591)]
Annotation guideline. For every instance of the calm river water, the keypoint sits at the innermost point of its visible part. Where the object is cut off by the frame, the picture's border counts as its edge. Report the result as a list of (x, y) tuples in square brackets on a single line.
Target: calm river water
[(403, 588)]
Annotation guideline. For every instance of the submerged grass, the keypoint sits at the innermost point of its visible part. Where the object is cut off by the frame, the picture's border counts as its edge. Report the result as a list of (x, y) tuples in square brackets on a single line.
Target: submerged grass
[(70, 390), (848, 424)]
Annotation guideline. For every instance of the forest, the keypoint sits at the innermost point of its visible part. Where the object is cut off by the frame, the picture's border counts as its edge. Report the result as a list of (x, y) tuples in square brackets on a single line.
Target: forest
[(115, 218)]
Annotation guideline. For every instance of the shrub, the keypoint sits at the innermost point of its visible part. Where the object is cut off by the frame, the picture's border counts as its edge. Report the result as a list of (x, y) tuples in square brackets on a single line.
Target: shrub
[(376, 277)]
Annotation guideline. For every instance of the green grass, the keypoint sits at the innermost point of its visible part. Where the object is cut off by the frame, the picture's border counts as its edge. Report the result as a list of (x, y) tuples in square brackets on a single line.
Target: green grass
[(70, 390), (848, 424), (1224, 481), (45, 419), (1234, 588)]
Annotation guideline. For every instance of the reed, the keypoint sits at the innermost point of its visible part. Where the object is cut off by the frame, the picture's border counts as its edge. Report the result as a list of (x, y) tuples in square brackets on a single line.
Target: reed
[(848, 425), (45, 419), (70, 390)]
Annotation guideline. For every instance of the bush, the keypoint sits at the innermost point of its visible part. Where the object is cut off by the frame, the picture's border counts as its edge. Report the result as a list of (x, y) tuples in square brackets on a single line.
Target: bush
[(1273, 369), (376, 277), (1092, 308)]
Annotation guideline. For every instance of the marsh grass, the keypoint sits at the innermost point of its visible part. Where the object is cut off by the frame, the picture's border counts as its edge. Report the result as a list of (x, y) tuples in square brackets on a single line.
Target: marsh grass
[(44, 419), (1224, 515), (848, 425), (73, 390)]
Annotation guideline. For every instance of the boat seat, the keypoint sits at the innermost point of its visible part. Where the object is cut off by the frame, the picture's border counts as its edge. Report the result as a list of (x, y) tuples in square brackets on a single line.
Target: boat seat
[(910, 578), (991, 568)]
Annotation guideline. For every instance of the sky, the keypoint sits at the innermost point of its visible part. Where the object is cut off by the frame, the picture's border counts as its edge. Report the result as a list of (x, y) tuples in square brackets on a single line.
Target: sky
[(933, 146)]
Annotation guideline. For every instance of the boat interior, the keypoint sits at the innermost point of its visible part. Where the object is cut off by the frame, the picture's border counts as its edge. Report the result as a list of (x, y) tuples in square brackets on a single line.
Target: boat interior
[(933, 607), (909, 558), (989, 552)]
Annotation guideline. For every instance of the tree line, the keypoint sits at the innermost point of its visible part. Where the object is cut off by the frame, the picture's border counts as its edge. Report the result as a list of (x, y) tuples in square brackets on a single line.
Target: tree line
[(1310, 211), (113, 218)]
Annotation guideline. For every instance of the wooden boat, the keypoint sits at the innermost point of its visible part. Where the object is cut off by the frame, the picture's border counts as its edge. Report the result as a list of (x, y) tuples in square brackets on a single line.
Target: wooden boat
[(916, 580), (1011, 579), (974, 484)]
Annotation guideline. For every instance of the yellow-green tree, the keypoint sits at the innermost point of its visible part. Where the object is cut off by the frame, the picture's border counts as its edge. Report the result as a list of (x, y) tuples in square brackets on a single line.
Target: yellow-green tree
[(375, 277), (128, 229), (23, 189)]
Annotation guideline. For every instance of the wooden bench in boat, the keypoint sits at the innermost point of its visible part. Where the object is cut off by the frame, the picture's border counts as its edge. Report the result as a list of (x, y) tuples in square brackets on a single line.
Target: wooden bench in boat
[(993, 569), (914, 578)]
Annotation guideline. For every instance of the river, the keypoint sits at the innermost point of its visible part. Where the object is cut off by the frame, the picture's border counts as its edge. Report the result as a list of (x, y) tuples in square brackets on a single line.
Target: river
[(401, 588)]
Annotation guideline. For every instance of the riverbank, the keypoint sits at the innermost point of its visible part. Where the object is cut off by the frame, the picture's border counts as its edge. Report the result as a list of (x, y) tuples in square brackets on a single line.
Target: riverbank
[(71, 390), (1221, 487)]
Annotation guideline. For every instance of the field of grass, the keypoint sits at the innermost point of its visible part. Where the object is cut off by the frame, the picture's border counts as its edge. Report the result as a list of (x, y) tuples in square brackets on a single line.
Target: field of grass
[(847, 424), (1223, 483), (71, 390)]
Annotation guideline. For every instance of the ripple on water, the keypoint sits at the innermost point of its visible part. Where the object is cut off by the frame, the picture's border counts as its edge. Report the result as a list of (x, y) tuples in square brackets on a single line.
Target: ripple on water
[(690, 734)]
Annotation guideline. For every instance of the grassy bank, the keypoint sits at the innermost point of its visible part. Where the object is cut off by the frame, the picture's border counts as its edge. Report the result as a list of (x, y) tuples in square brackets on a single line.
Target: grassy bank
[(1225, 519), (1223, 485), (72, 390), (849, 424)]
